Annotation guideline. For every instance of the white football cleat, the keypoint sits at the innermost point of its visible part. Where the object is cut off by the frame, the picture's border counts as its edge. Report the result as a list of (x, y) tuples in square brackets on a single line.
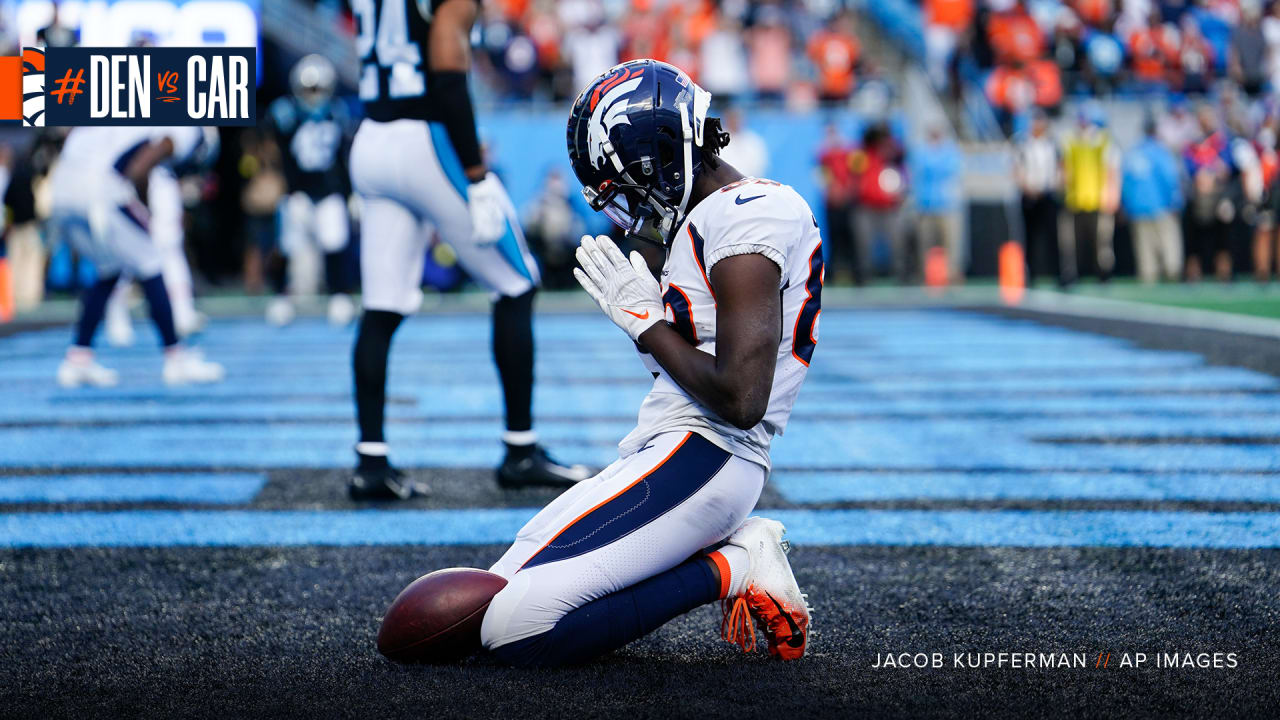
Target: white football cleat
[(184, 366), (770, 594), (81, 369), (280, 312), (342, 310)]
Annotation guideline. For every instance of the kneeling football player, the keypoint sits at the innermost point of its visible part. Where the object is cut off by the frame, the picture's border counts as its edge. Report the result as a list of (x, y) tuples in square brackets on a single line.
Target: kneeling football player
[(728, 335)]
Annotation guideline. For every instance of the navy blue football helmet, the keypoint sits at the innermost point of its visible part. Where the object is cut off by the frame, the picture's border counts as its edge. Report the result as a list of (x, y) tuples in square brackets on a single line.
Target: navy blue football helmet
[(638, 136)]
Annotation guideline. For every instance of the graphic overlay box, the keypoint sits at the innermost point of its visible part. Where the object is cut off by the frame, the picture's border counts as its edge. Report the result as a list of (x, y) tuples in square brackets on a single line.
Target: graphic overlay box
[(147, 86)]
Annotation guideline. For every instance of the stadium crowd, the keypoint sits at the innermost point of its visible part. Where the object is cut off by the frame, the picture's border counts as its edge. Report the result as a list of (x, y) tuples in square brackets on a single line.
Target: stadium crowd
[(1035, 53), (764, 51), (1199, 192), (1196, 194), (1200, 183)]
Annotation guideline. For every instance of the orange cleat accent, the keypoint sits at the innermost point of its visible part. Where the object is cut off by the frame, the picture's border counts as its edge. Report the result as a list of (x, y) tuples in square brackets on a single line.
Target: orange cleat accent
[(735, 626), (786, 628)]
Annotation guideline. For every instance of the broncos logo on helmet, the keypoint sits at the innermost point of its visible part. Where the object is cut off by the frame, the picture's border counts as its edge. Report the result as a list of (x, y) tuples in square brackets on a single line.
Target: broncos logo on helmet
[(637, 138), (610, 112)]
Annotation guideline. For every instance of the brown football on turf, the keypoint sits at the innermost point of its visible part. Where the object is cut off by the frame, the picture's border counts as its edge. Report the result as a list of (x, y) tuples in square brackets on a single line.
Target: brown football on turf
[(437, 617)]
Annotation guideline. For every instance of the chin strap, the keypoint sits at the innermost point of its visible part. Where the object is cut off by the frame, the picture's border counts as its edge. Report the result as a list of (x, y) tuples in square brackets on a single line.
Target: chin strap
[(691, 129)]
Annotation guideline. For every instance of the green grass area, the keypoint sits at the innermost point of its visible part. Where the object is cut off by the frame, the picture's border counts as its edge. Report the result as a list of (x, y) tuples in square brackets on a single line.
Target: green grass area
[(1242, 297)]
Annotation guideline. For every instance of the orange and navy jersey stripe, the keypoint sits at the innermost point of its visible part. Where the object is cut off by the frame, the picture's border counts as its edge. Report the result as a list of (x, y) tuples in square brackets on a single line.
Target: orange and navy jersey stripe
[(700, 256)]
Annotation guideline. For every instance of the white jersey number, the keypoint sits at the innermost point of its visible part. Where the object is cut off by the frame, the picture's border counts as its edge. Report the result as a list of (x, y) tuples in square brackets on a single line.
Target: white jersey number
[(315, 145), (388, 35)]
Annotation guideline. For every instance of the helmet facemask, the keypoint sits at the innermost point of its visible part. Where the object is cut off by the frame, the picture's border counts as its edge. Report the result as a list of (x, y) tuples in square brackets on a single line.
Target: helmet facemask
[(639, 211)]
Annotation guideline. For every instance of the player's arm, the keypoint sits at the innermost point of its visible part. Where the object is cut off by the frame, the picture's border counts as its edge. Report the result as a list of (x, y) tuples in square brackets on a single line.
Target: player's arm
[(448, 62), (138, 170), (735, 383)]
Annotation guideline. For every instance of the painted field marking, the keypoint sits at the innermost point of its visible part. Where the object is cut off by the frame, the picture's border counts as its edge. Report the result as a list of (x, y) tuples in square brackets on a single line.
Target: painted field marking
[(827, 487), (213, 488), (972, 528)]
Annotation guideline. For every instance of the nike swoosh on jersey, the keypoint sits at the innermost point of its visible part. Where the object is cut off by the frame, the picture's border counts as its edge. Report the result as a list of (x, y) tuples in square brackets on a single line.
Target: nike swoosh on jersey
[(645, 316), (743, 201)]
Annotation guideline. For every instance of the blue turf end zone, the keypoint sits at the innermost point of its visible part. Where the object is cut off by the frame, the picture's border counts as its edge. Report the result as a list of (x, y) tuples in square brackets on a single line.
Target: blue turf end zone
[(988, 528), (899, 406), (829, 487), (211, 488)]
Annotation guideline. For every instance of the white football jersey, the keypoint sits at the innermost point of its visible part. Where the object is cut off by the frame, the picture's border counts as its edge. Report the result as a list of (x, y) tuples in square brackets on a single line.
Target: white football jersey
[(748, 216), (104, 147), (92, 159)]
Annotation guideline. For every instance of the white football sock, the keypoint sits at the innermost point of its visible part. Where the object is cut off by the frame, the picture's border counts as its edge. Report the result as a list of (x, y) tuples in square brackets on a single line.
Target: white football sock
[(373, 449), (739, 563), (520, 437)]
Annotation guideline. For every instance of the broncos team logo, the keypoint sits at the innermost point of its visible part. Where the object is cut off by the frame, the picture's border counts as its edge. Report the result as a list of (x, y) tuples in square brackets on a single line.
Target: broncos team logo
[(33, 87), (608, 106)]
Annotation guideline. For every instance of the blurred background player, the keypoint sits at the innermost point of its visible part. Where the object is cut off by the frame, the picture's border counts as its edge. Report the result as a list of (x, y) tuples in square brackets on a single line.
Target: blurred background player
[(164, 201), (881, 182), (840, 192), (1264, 239), (1090, 175), (1038, 172), (1226, 188), (97, 189), (312, 130), (1152, 193), (416, 158), (935, 168)]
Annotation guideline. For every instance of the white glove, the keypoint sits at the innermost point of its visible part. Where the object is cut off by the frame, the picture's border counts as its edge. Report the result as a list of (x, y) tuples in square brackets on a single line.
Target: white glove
[(487, 201), (625, 290)]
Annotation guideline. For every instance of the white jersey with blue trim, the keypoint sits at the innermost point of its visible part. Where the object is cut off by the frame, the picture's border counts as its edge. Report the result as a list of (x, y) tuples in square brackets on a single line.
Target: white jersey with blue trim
[(101, 148), (93, 158), (749, 216)]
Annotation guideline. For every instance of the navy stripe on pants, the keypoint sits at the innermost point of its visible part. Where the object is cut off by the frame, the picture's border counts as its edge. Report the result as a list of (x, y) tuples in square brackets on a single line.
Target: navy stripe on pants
[(683, 473)]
